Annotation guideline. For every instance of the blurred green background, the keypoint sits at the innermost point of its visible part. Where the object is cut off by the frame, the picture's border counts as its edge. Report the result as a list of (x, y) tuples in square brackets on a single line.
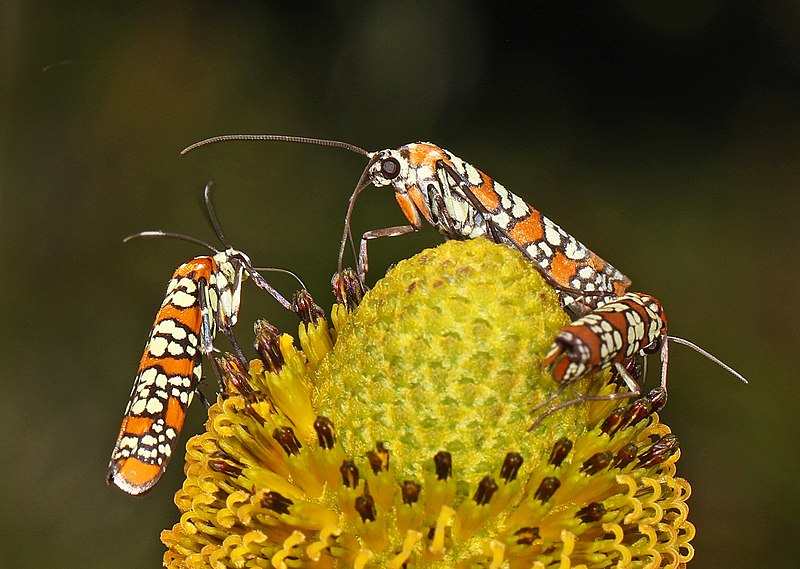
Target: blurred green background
[(665, 135)]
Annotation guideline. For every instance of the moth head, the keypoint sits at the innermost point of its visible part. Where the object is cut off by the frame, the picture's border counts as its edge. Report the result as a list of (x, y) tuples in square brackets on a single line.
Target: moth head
[(388, 167)]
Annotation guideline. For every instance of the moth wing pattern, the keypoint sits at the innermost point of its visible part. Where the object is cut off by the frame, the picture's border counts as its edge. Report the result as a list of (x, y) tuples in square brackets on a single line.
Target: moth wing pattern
[(504, 217), (168, 374)]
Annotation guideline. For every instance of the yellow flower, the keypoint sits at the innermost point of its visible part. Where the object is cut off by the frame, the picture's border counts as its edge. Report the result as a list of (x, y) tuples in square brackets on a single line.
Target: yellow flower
[(400, 438)]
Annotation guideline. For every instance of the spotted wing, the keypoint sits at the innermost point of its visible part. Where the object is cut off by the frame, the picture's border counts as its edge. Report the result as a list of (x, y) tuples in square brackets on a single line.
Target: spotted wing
[(162, 391), (561, 258), (616, 331)]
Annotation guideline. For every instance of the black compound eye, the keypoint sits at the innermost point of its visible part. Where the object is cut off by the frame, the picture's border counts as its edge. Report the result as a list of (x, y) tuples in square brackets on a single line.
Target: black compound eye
[(390, 168)]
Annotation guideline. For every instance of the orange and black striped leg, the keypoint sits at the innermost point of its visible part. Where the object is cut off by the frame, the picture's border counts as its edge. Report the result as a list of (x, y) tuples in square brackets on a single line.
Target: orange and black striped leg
[(363, 264)]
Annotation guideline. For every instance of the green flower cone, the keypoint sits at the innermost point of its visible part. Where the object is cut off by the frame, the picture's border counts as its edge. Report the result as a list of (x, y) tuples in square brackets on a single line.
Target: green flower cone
[(400, 438)]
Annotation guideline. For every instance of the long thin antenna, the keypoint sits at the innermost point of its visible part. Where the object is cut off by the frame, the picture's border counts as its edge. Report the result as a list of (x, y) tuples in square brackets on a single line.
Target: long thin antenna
[(181, 236), (252, 271), (363, 182), (212, 215), (710, 356), (347, 235), (278, 138), (286, 271)]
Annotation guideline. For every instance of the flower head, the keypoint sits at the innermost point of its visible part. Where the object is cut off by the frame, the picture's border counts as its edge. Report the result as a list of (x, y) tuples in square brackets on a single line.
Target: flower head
[(400, 438)]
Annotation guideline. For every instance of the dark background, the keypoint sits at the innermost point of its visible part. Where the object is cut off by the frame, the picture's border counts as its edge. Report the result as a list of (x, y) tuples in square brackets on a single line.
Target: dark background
[(665, 135)]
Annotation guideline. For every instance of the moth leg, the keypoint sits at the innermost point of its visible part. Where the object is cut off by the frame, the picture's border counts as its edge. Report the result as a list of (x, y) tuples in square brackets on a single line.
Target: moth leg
[(550, 399), (262, 283), (628, 379), (210, 323), (201, 396), (664, 362), (236, 348), (635, 391), (443, 171), (501, 235), (363, 264)]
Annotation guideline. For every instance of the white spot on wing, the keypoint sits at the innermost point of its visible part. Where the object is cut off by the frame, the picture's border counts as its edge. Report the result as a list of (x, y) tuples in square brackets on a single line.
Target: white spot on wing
[(154, 406), (169, 327), (520, 208), (182, 300), (473, 176), (147, 377), (502, 219), (187, 284), (175, 349), (552, 236), (157, 346)]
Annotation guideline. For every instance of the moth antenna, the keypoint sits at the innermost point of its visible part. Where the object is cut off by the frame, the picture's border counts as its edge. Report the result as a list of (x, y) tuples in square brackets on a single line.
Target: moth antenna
[(278, 138), (212, 215), (347, 234), (286, 271), (181, 236), (710, 356)]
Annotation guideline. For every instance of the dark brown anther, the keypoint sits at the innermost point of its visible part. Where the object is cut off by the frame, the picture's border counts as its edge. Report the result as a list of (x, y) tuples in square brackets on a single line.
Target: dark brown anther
[(527, 535), (444, 464), (560, 451), (268, 345), (251, 412), (276, 502), (486, 489), (347, 289), (305, 307), (511, 465), (593, 512), (287, 439), (378, 458), (638, 410), (365, 505), (546, 489), (410, 491), (325, 433), (349, 473), (235, 378), (625, 455), (224, 467), (383, 452), (613, 421), (375, 461), (661, 450), (658, 397), (596, 462)]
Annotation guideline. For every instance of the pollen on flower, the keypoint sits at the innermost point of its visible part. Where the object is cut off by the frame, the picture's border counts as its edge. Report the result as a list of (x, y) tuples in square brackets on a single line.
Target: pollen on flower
[(399, 438)]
